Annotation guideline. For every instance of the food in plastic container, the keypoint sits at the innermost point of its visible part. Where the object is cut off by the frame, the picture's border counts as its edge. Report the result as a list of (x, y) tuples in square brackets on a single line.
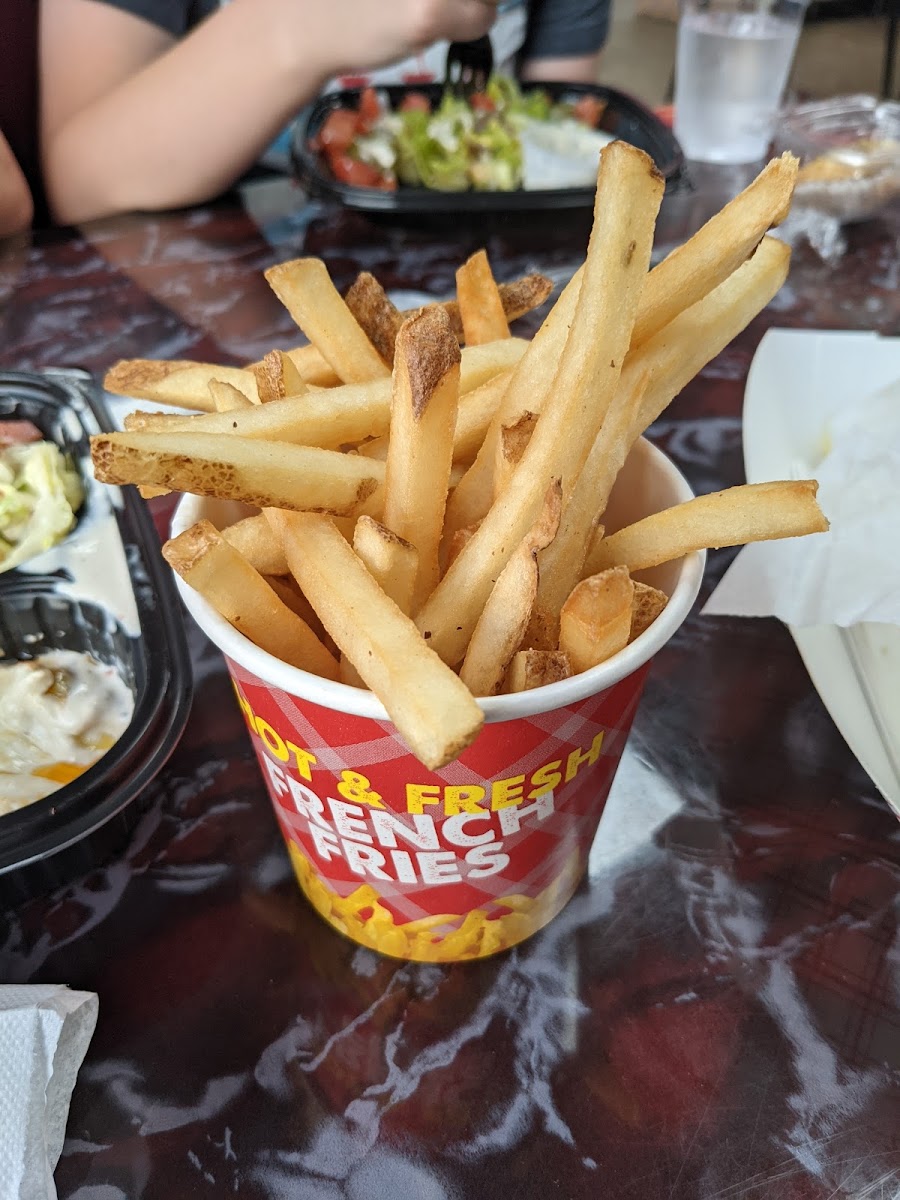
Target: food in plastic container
[(849, 148), (59, 714)]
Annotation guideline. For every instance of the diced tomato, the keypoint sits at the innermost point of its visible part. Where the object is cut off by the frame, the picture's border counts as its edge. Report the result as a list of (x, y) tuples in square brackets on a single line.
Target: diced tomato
[(15, 433), (369, 110), (415, 102), (589, 110), (338, 131), (359, 174), (479, 102)]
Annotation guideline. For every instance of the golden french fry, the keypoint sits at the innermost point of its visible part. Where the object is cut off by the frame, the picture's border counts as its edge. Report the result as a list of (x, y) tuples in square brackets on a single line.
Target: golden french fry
[(432, 709), (213, 567), (683, 347), (456, 543), (537, 668), (254, 539), (511, 447), (530, 383), (225, 397), (420, 453), (182, 383), (716, 250), (312, 367), (334, 417), (499, 630), (561, 563), (595, 622), (378, 318), (393, 564), (267, 474), (476, 408), (480, 306), (277, 377), (629, 191), (149, 491), (750, 512), (646, 605), (391, 561), (519, 297), (304, 287)]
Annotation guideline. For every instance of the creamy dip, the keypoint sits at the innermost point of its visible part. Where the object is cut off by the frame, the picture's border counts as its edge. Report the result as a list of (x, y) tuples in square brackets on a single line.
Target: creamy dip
[(59, 714)]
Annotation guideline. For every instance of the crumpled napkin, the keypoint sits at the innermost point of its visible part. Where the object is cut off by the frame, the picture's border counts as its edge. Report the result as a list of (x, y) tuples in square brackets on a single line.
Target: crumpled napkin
[(852, 573), (44, 1034)]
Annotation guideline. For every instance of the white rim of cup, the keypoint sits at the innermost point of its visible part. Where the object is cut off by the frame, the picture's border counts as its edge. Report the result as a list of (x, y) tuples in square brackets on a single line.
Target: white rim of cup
[(358, 702)]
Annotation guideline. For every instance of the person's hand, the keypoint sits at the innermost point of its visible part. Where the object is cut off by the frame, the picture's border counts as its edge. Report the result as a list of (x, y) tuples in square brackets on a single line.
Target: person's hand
[(373, 35)]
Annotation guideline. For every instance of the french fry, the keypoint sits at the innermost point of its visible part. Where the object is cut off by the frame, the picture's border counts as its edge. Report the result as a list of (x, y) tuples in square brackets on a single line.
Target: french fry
[(391, 561), (432, 709), (378, 318), (393, 564), (177, 382), (652, 376), (696, 336), (480, 306), (331, 418), (212, 566), (225, 397), (476, 408), (537, 668), (267, 474), (595, 622), (518, 297), (254, 539), (529, 384), (277, 377), (646, 605), (716, 250), (420, 453), (629, 191), (456, 543), (499, 630), (511, 447), (563, 559), (312, 367), (304, 287), (750, 512)]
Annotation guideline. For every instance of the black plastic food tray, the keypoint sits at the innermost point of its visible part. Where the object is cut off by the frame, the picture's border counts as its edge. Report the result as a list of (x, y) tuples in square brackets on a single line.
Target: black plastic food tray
[(624, 117), (102, 591)]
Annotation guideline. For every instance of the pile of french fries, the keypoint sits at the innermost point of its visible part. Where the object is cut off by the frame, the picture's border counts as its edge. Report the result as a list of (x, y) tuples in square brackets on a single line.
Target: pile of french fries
[(427, 520)]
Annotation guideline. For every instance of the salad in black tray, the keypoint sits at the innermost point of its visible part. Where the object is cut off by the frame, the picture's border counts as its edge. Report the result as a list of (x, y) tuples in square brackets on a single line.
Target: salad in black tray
[(403, 142)]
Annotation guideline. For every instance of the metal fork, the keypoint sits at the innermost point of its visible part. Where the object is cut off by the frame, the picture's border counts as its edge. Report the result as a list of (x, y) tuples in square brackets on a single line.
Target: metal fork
[(469, 66)]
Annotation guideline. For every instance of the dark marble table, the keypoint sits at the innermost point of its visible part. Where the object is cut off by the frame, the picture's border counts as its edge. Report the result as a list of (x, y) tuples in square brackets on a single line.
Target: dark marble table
[(716, 1014)]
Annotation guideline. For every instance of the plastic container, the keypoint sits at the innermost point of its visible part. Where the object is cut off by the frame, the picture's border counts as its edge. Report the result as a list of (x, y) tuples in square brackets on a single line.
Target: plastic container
[(849, 150), (471, 859), (102, 591), (624, 117)]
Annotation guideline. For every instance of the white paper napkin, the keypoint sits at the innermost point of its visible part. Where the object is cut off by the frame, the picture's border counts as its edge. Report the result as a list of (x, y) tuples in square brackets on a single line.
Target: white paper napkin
[(852, 573), (44, 1034)]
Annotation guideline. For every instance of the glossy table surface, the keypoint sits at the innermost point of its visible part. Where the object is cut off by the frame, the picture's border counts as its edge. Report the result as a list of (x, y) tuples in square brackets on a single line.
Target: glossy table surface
[(715, 1015)]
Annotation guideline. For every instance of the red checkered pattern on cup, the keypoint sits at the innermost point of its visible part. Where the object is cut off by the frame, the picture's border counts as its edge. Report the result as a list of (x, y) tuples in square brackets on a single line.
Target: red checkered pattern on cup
[(311, 752)]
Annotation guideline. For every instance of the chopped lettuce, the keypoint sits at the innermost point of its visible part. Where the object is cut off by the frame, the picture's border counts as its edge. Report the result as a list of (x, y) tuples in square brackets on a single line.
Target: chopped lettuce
[(461, 146), (39, 496)]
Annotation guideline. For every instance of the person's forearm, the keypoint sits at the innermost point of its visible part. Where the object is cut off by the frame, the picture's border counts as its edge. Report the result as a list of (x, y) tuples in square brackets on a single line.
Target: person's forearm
[(582, 69), (187, 124)]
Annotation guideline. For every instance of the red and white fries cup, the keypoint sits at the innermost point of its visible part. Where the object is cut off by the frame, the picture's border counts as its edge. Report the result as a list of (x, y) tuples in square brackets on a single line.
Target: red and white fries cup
[(459, 863)]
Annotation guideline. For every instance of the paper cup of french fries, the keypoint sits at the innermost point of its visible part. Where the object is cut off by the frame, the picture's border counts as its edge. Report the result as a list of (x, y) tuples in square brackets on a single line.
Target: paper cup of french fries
[(439, 573)]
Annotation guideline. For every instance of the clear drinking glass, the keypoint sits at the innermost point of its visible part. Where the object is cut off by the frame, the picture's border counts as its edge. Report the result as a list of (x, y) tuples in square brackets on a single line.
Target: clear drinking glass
[(732, 65)]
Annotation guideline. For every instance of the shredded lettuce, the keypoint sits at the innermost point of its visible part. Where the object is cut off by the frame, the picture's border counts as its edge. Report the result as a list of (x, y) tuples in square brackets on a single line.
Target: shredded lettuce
[(39, 496), (458, 147)]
